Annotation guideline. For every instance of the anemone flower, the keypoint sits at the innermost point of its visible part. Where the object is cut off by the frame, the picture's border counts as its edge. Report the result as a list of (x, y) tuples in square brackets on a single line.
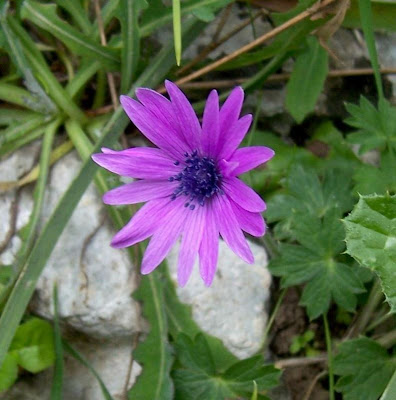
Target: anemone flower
[(189, 182)]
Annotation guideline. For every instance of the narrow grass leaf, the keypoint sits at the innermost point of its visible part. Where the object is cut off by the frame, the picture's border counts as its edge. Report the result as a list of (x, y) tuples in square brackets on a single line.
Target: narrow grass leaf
[(81, 359), (57, 380), (177, 30), (44, 16), (390, 391), (367, 26), (79, 15)]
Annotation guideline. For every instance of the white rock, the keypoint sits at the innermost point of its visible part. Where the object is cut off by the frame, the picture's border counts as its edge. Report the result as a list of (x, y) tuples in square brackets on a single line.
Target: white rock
[(234, 307)]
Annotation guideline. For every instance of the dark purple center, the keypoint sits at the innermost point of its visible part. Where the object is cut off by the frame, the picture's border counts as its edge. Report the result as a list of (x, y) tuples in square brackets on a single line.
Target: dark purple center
[(199, 180)]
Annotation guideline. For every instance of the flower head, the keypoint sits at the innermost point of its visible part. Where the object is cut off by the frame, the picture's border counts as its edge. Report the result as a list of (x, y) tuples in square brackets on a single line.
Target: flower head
[(189, 181)]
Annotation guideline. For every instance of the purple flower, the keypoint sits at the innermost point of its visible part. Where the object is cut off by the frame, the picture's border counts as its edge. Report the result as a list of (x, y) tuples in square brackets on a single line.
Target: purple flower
[(189, 182)]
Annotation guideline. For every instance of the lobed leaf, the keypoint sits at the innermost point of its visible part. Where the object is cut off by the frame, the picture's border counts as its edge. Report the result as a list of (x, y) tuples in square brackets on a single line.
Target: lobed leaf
[(365, 369)]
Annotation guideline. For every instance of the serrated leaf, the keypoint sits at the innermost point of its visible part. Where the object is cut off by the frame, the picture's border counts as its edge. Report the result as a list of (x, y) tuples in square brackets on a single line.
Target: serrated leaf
[(365, 369), (376, 126), (371, 239), (34, 345), (154, 353), (197, 380), (307, 79)]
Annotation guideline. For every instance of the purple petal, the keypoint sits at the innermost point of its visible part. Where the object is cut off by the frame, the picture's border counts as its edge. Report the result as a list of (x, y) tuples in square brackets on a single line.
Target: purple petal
[(210, 124), (143, 224), (165, 236), (249, 222), (209, 248), (243, 195), (162, 108), (139, 162), (162, 135), (138, 192), (229, 112), (250, 157), (230, 140), (230, 230), (191, 240), (188, 120)]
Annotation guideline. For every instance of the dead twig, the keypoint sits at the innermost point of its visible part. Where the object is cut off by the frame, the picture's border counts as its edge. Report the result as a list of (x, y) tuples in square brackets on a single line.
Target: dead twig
[(310, 12), (300, 361), (12, 222), (311, 387)]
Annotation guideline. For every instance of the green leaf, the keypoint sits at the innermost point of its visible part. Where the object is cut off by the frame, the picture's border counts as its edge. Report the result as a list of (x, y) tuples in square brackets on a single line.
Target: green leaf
[(371, 239), (304, 194), (45, 16), (307, 79), (379, 180), (376, 126), (79, 15), (57, 380), (129, 13), (198, 379), (366, 18), (154, 353), (34, 344), (177, 30), (8, 371), (365, 369), (390, 391)]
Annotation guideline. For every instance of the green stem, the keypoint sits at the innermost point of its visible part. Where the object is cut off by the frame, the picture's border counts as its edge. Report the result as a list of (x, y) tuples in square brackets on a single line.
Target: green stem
[(272, 318), (388, 340), (270, 245), (381, 319), (364, 317), (329, 357)]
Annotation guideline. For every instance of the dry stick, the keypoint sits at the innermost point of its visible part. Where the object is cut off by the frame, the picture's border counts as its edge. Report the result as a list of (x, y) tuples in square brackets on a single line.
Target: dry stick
[(12, 222), (216, 43), (313, 384), (297, 361), (222, 22), (135, 341), (226, 83), (269, 35)]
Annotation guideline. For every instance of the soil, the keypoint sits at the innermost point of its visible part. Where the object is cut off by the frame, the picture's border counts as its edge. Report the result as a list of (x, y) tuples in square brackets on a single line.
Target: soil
[(291, 321)]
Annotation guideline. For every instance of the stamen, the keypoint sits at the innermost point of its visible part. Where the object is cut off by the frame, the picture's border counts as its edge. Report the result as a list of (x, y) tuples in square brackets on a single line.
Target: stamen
[(199, 180)]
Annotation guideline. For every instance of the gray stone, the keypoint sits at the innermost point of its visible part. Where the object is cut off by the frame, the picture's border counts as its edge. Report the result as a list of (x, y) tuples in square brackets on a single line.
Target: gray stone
[(234, 307)]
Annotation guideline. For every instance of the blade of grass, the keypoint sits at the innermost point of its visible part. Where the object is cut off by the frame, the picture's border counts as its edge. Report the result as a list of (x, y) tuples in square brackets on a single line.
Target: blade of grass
[(17, 130), (38, 198), (9, 116), (390, 391), (177, 30), (45, 16), (131, 41), (76, 10), (86, 71), (44, 74), (17, 55), (366, 18), (57, 380), (73, 352), (25, 285)]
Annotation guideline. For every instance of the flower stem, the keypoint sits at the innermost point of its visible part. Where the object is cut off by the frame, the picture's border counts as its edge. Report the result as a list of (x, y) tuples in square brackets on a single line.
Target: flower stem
[(329, 357), (388, 340), (272, 318)]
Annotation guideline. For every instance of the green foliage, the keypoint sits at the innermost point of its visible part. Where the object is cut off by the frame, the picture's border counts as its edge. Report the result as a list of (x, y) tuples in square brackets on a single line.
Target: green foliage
[(307, 79), (32, 349), (154, 353), (376, 126), (309, 212), (365, 368), (304, 343), (197, 377), (371, 239)]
